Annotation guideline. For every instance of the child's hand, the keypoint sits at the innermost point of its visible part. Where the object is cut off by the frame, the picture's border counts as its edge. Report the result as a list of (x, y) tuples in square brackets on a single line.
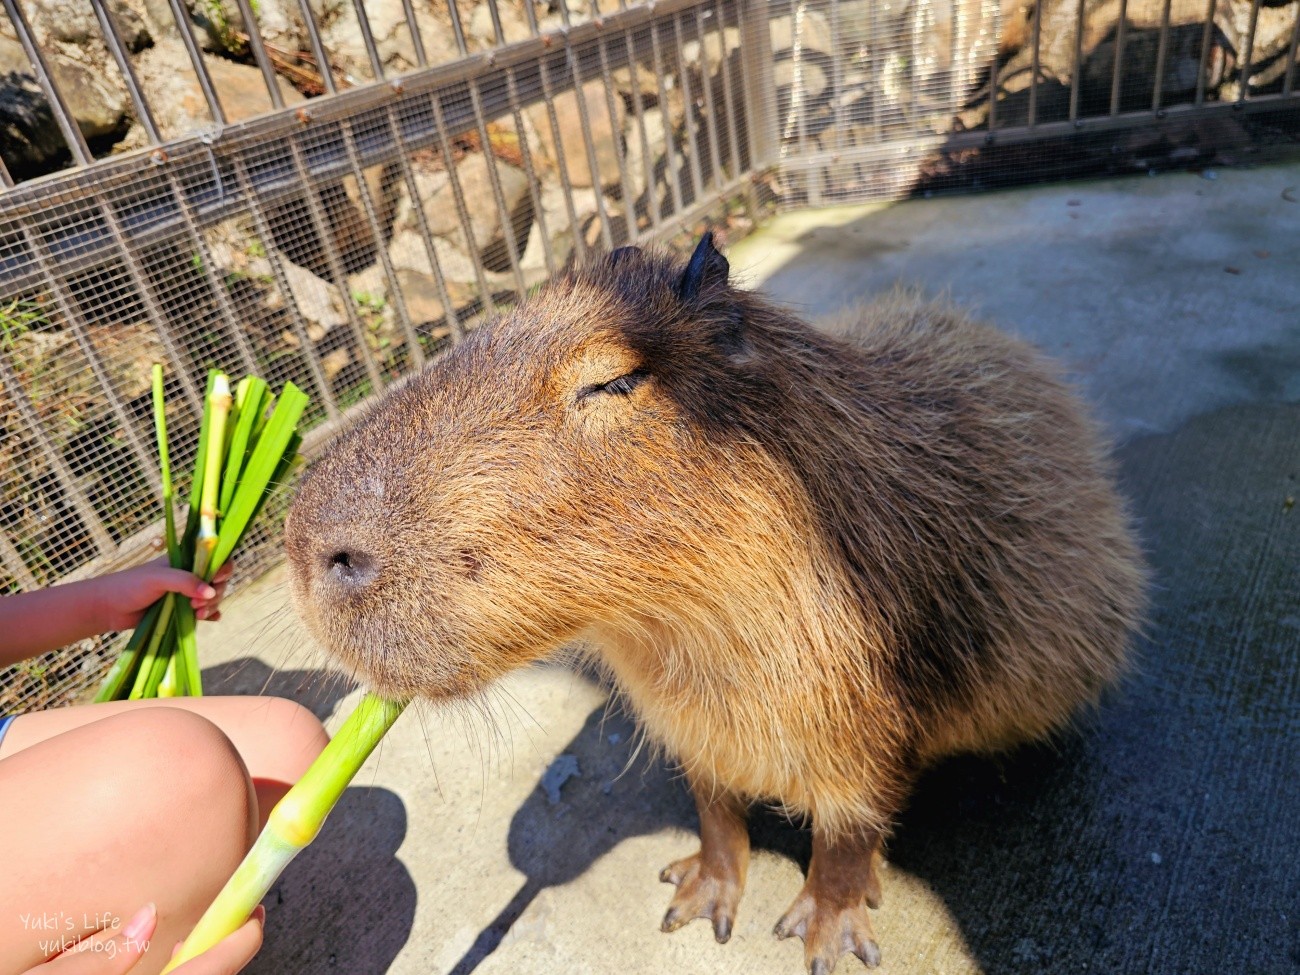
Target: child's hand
[(124, 596)]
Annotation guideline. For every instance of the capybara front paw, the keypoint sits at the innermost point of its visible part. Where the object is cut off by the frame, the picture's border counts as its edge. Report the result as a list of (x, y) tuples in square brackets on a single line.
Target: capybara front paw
[(829, 931), (701, 893)]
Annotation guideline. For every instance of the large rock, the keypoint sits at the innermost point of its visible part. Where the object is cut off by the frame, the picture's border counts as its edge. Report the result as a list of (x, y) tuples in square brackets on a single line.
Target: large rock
[(69, 38), (177, 101), (604, 136), (486, 224)]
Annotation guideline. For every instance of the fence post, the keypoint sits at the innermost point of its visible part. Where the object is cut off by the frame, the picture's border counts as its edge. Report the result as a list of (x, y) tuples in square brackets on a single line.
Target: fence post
[(760, 89)]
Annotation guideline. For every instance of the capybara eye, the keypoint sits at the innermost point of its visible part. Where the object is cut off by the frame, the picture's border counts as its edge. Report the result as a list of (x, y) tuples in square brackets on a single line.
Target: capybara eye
[(622, 386)]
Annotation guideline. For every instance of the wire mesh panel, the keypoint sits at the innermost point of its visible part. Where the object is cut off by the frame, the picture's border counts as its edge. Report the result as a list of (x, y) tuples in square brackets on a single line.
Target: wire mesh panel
[(877, 100), (337, 199)]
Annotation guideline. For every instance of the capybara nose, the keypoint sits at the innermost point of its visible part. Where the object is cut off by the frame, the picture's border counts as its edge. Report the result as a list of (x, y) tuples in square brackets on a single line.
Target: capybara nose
[(351, 568)]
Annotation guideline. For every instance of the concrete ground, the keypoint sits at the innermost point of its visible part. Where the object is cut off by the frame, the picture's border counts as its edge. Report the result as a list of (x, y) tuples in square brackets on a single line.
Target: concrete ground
[(507, 837)]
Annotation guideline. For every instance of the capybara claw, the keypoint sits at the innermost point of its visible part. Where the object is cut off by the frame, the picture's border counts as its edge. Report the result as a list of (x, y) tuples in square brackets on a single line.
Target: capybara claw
[(829, 932), (701, 893)]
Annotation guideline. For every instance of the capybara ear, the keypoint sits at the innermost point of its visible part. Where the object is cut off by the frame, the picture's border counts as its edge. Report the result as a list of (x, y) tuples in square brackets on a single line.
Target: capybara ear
[(706, 266)]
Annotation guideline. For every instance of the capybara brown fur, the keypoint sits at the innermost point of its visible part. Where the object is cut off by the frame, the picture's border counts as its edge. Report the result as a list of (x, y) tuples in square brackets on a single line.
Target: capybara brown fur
[(812, 565)]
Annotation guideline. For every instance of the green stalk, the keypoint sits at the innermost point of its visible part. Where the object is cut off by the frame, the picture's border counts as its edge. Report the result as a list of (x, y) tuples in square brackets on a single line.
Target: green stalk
[(164, 464), (122, 673), (154, 663), (250, 397), (172, 683), (294, 823), (267, 455), (187, 649), (219, 404), (196, 486)]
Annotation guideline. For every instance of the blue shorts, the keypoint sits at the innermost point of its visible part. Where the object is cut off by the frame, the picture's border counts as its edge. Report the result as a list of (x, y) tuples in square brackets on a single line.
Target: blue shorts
[(5, 722)]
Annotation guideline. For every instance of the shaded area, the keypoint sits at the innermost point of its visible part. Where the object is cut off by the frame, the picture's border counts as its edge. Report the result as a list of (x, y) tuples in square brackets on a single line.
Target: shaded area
[(317, 689), (346, 904), (1161, 836)]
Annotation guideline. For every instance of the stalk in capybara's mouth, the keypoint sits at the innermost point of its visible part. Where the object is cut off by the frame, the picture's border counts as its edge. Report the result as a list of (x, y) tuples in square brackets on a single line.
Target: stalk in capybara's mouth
[(812, 565)]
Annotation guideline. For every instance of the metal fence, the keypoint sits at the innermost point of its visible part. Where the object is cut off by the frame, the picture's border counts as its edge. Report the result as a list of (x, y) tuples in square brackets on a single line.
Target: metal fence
[(331, 191)]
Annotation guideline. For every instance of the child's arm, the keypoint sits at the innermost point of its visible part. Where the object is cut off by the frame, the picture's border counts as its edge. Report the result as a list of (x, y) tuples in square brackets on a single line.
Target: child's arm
[(34, 622)]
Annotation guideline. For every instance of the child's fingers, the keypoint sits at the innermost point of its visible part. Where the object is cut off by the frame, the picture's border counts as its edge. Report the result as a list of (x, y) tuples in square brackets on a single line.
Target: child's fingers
[(108, 952), (232, 953), (185, 583)]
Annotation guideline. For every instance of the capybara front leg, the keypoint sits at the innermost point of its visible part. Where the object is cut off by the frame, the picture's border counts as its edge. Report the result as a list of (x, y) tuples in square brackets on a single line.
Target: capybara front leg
[(830, 913), (709, 883)]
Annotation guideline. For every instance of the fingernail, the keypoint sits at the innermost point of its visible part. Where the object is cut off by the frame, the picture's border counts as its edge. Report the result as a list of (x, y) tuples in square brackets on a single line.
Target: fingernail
[(207, 592), (259, 913), (142, 924)]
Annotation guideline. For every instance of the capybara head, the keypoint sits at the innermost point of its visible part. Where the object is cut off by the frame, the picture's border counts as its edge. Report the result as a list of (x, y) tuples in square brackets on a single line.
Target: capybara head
[(571, 469)]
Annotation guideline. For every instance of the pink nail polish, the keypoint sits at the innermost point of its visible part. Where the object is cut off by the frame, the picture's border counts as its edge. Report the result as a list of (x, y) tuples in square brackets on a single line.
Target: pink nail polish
[(142, 924)]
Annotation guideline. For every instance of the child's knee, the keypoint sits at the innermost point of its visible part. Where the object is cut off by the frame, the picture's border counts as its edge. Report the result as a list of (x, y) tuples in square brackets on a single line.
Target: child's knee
[(178, 770)]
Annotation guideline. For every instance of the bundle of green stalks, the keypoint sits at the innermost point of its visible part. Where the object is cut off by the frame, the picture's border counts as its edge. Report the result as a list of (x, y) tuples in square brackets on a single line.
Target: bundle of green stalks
[(248, 445)]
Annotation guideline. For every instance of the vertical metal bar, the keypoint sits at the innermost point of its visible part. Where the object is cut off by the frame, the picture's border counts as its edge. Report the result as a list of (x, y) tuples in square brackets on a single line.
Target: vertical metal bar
[(710, 105), (282, 283), (584, 123), (688, 111), (1206, 32), (417, 39), (1248, 62), (1117, 78), (258, 48), (182, 18), (534, 184), (877, 87), (6, 181), (674, 164), (62, 113), (956, 54), (638, 110), (1036, 41), (67, 482), (1076, 59), (368, 39), (422, 222), (1162, 50), (458, 195), (728, 98), (317, 47), (625, 185), (372, 217), (457, 28), (494, 181), (532, 19), (837, 78), (113, 38), (316, 210), (1289, 79), (579, 241), (497, 31), (994, 81), (68, 309), (759, 90)]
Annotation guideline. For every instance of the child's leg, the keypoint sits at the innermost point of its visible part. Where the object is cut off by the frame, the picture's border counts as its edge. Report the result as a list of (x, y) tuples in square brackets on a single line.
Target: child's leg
[(276, 738), (153, 804)]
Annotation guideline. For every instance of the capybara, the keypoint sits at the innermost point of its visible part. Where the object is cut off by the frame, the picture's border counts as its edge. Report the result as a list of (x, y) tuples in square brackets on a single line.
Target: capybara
[(812, 565)]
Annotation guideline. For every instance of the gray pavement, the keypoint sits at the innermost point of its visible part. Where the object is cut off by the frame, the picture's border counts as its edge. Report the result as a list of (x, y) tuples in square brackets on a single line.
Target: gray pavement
[(1162, 836)]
